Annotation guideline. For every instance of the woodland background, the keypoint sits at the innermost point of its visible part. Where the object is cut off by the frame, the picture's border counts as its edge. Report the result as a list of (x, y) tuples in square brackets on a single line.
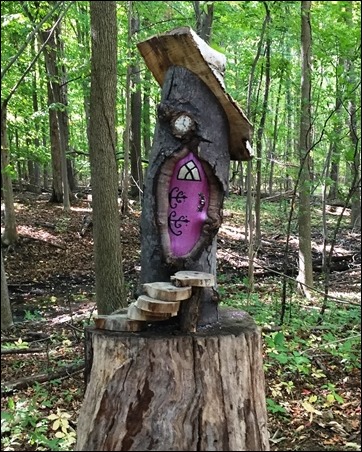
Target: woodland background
[(311, 330)]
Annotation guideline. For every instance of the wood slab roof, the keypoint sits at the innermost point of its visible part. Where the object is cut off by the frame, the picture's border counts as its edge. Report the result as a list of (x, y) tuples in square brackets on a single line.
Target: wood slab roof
[(183, 47)]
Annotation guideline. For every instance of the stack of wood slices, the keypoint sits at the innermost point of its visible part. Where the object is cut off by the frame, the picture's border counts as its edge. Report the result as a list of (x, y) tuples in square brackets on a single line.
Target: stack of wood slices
[(160, 302)]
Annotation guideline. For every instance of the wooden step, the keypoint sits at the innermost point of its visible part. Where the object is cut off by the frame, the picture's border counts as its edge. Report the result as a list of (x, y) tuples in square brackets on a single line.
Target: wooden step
[(135, 313), (166, 291), (118, 322), (193, 278), (157, 306)]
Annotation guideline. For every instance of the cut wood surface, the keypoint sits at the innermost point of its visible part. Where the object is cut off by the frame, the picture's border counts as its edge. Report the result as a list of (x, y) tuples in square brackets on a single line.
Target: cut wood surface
[(193, 278), (157, 306), (159, 391), (135, 313), (167, 292), (118, 322)]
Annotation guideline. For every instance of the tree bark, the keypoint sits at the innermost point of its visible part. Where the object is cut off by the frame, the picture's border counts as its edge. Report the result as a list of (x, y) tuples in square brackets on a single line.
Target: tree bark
[(6, 314), (160, 391), (146, 131), (102, 153), (260, 131), (136, 115), (305, 275), (210, 143), (55, 145), (10, 234), (204, 19)]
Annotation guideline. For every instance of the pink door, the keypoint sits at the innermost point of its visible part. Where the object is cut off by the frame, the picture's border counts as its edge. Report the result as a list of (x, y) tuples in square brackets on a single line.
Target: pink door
[(188, 203)]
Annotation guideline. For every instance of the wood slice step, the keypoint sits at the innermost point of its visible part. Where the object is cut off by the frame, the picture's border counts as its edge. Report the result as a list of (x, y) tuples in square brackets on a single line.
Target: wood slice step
[(118, 322), (135, 313), (157, 306), (193, 278), (166, 291)]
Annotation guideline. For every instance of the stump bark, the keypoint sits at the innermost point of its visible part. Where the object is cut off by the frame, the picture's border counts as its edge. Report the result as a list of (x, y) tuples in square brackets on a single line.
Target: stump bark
[(164, 390)]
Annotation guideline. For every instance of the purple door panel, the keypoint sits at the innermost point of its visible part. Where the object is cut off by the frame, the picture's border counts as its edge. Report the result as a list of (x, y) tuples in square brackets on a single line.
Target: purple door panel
[(188, 198)]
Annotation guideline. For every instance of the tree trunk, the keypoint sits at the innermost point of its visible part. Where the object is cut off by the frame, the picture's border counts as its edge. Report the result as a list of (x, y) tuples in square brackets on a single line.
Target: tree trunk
[(128, 121), (10, 235), (355, 166), (305, 275), (61, 96), (261, 130), (335, 145), (83, 32), (160, 391), (102, 153), (146, 114), (210, 144), (35, 182), (55, 145), (6, 315), (204, 19), (275, 137), (136, 116)]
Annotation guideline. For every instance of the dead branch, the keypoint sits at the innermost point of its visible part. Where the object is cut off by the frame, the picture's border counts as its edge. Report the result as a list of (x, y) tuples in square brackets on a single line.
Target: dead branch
[(279, 196), (67, 372), (14, 351), (45, 225), (30, 336), (56, 245)]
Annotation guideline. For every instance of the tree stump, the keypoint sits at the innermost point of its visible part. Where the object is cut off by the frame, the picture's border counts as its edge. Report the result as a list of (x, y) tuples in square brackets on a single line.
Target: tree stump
[(165, 390)]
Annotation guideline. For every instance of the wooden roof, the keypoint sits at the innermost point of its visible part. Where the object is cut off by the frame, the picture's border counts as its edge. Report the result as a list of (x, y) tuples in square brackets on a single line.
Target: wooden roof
[(183, 47)]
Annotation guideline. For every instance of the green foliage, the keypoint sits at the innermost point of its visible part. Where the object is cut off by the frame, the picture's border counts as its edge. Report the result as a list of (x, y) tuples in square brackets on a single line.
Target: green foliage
[(62, 224), (274, 407), (236, 32), (25, 417), (33, 315), (293, 351), (20, 344)]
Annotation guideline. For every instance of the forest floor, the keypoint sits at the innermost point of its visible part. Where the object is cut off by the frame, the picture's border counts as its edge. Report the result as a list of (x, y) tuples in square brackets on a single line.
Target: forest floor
[(312, 362)]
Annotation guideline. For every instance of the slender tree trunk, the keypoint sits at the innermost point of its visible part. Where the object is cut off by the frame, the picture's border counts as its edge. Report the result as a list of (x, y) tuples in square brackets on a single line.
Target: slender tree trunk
[(250, 102), (10, 235), (305, 275), (6, 315), (127, 132), (355, 165), (35, 184), (289, 145), (204, 20), (106, 219), (261, 131), (136, 114), (55, 145), (275, 137), (83, 39), (69, 182), (335, 145), (146, 115), (249, 221)]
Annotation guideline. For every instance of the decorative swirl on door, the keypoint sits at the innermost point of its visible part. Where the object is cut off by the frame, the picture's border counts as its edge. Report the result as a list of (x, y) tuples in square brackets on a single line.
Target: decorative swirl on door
[(175, 224), (175, 197)]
